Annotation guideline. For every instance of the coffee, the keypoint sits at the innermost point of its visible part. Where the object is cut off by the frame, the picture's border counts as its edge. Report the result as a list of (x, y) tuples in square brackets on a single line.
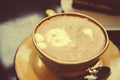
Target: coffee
[(69, 38)]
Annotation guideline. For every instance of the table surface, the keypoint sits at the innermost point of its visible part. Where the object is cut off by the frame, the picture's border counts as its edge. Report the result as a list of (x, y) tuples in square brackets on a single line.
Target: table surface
[(18, 18)]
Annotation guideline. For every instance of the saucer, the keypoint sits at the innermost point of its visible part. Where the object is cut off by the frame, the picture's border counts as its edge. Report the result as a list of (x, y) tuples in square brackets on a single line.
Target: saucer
[(28, 65)]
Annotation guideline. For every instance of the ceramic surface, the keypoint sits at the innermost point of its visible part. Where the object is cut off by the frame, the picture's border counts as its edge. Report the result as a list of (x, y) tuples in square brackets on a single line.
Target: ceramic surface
[(28, 65)]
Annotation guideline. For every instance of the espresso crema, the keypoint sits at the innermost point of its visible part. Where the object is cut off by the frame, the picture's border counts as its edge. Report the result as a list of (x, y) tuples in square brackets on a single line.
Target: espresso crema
[(69, 38)]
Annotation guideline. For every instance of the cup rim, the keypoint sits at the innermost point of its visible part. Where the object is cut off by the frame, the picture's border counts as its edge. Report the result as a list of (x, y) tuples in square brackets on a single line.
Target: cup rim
[(77, 62)]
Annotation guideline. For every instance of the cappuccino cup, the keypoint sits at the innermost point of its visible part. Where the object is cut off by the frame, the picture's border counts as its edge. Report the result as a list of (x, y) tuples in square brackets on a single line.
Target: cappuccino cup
[(69, 43)]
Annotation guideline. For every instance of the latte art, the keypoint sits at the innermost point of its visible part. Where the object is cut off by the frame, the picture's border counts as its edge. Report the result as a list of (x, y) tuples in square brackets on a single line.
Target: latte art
[(69, 38), (58, 37)]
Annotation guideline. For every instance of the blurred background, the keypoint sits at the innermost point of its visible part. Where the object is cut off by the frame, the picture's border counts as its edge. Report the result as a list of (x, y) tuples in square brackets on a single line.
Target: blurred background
[(19, 17)]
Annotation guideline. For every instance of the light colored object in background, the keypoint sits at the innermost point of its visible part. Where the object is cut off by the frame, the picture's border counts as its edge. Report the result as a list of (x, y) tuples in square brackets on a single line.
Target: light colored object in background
[(12, 33), (66, 5)]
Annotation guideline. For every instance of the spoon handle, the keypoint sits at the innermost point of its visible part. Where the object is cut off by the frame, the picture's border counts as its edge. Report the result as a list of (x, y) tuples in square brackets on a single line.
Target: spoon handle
[(99, 73)]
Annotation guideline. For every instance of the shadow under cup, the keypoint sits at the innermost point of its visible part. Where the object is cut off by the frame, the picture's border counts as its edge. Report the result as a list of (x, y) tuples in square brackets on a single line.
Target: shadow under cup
[(69, 69)]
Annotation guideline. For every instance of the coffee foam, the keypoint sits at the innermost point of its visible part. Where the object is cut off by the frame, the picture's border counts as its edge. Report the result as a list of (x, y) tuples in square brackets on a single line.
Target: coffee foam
[(69, 38)]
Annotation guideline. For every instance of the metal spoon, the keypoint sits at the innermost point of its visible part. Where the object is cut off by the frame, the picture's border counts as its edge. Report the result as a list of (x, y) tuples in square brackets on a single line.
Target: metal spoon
[(99, 73)]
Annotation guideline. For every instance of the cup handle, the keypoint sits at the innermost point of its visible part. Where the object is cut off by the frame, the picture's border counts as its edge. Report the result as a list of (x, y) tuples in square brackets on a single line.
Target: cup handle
[(50, 12)]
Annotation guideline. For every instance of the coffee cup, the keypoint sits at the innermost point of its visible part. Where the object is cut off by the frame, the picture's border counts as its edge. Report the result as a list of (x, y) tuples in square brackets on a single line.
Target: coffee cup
[(69, 43)]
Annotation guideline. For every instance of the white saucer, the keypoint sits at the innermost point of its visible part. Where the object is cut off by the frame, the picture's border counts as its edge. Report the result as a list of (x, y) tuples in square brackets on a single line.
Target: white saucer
[(28, 65)]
